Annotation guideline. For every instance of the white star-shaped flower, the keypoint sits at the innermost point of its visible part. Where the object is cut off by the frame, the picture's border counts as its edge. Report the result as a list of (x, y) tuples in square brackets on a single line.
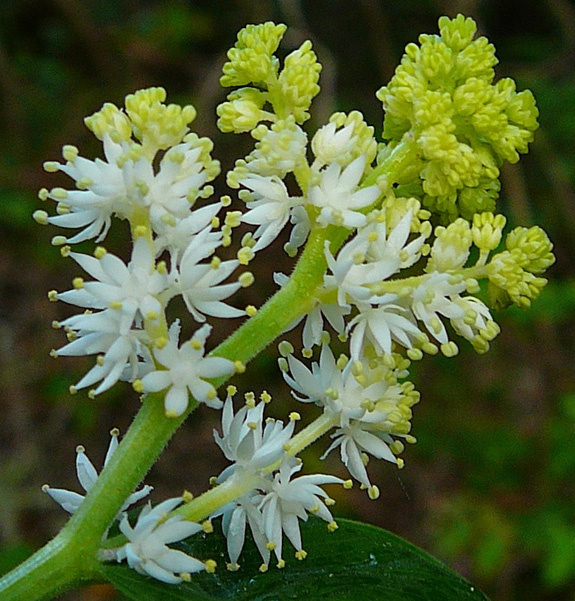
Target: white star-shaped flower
[(186, 371), (338, 197), (270, 208), (87, 476), (146, 550), (200, 283), (126, 288), (291, 500)]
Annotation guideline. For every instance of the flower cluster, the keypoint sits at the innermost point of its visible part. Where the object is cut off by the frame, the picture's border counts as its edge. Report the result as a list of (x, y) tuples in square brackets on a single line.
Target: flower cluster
[(462, 124), (401, 254), (125, 320), (275, 502)]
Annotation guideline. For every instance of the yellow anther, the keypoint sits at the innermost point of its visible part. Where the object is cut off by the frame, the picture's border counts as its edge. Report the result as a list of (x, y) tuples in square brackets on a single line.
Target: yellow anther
[(252, 425), (245, 255), (270, 546), (215, 262), (265, 397), (78, 283), (141, 231), (251, 311), (117, 305), (232, 567), (211, 394), (373, 492), (231, 390), (281, 564), (53, 296), (40, 217), (161, 342), (239, 367), (186, 577), (207, 526), (196, 344), (246, 279), (213, 480), (294, 416), (43, 194), (58, 240), (332, 526), (138, 386), (211, 566), (301, 554), (449, 349), (263, 568), (348, 484), (51, 166), (187, 496), (152, 315), (329, 501), (99, 252), (171, 413)]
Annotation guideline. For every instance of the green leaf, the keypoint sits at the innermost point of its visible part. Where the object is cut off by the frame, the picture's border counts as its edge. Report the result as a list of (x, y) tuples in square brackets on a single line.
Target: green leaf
[(353, 562)]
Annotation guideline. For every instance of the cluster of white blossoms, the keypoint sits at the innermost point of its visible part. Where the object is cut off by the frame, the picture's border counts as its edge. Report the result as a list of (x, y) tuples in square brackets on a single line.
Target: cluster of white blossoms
[(377, 270), (175, 242)]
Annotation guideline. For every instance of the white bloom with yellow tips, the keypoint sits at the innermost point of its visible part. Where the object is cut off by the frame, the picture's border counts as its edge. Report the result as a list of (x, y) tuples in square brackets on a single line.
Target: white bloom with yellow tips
[(146, 550), (337, 196), (291, 500), (186, 372), (87, 476)]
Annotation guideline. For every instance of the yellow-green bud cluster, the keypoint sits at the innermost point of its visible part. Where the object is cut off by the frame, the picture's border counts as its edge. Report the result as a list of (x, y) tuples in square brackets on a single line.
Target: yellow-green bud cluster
[(156, 125), (463, 125), (252, 61), (513, 272)]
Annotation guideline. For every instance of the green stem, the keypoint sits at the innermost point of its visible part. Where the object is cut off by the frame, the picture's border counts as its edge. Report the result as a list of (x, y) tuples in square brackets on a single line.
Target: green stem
[(71, 556)]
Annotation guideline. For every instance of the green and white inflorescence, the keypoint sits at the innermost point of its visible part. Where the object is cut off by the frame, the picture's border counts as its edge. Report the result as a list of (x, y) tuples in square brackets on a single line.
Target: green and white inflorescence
[(414, 257)]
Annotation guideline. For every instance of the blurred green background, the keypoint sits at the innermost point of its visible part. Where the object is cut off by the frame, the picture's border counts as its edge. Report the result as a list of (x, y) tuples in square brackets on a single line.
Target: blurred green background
[(490, 486)]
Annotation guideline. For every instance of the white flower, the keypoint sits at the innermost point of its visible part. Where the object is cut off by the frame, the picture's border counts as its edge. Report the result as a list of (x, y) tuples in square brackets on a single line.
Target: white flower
[(314, 320), (235, 517), (87, 476), (434, 298), (126, 180), (103, 191), (127, 288), (337, 390), (176, 238), (291, 500), (178, 182), (337, 196), (355, 438), (270, 208), (109, 334), (381, 324), (147, 551), (329, 145), (249, 443), (185, 371), (280, 149), (199, 283)]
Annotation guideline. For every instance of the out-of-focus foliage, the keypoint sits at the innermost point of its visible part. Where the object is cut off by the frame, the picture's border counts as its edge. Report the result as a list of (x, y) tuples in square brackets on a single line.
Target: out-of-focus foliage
[(491, 483)]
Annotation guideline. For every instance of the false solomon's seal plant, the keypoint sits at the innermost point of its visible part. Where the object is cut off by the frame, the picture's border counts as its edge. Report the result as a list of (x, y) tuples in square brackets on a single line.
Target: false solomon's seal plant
[(399, 253)]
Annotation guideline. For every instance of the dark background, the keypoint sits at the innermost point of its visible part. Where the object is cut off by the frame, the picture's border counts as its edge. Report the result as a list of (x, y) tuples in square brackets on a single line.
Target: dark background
[(489, 488)]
